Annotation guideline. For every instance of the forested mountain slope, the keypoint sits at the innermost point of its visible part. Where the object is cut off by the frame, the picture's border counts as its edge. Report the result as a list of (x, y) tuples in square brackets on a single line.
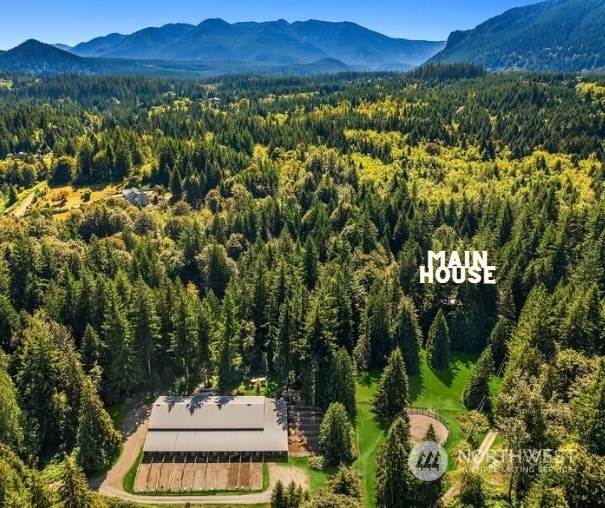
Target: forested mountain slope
[(556, 35)]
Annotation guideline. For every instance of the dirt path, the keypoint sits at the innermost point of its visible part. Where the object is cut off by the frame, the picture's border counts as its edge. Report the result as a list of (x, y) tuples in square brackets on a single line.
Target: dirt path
[(22, 208), (135, 428), (477, 460)]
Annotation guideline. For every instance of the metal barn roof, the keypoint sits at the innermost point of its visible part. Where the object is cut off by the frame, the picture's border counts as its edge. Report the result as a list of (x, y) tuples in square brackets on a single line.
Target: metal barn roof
[(208, 413), (217, 424)]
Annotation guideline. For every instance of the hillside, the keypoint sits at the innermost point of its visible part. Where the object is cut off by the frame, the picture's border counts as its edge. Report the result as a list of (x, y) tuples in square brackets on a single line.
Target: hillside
[(556, 35), (273, 42), (39, 58), (34, 57)]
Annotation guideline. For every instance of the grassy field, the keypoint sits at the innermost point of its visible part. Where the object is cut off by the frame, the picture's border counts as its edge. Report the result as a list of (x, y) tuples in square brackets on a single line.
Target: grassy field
[(62, 199), (439, 391), (370, 434)]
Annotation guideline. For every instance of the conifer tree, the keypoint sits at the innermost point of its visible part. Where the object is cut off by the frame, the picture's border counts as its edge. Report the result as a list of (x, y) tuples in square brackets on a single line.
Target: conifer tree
[(319, 339), (285, 334), (184, 337), (342, 296), (476, 391), (472, 490), (392, 393), (337, 436), (407, 336), (229, 358), (593, 431), (91, 348), (124, 370), (37, 380), (346, 482), (376, 324), (73, 491), (361, 353), (9, 324), (498, 340), (536, 322), (342, 381), (438, 343), (278, 495), (582, 326), (97, 441), (11, 418), (145, 323), (394, 483), (176, 186), (310, 263)]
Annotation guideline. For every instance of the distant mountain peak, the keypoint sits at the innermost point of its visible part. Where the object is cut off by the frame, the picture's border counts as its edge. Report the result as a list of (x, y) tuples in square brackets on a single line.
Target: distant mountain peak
[(555, 35), (271, 42)]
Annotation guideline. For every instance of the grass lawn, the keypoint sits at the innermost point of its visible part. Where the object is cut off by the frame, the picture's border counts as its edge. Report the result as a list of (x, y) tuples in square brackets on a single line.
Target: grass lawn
[(64, 198), (439, 391), (370, 434), (128, 481)]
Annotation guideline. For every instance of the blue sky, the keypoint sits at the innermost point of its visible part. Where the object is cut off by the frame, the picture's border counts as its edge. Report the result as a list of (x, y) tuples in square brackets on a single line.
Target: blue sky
[(70, 21)]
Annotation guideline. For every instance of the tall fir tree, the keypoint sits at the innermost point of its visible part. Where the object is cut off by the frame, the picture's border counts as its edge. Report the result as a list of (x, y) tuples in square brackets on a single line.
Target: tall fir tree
[(342, 381), (438, 343), (337, 441), (145, 323), (376, 325), (394, 482), (91, 348), (184, 342), (124, 370), (476, 391), (498, 340), (408, 336), (73, 490), (97, 441), (11, 417), (392, 393), (593, 430), (229, 374)]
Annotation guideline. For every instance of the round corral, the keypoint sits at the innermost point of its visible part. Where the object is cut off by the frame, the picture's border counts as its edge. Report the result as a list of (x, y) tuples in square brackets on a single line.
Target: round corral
[(420, 420)]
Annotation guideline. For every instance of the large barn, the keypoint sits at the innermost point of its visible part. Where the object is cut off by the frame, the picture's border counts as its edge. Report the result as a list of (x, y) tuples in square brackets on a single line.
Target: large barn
[(217, 425)]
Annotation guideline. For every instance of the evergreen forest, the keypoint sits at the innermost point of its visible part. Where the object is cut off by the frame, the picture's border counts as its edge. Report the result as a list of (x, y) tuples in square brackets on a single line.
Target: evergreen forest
[(287, 221)]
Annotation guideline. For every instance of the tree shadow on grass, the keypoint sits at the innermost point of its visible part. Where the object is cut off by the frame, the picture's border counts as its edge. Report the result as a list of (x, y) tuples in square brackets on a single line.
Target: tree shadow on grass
[(415, 385), (446, 376), (368, 377)]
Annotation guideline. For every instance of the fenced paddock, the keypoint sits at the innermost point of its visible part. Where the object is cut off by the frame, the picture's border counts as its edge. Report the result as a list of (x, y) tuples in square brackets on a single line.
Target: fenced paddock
[(186, 474), (420, 420)]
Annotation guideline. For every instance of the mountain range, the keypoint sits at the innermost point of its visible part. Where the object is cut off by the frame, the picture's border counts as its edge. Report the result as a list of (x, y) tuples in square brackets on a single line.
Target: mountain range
[(268, 43), (555, 35)]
